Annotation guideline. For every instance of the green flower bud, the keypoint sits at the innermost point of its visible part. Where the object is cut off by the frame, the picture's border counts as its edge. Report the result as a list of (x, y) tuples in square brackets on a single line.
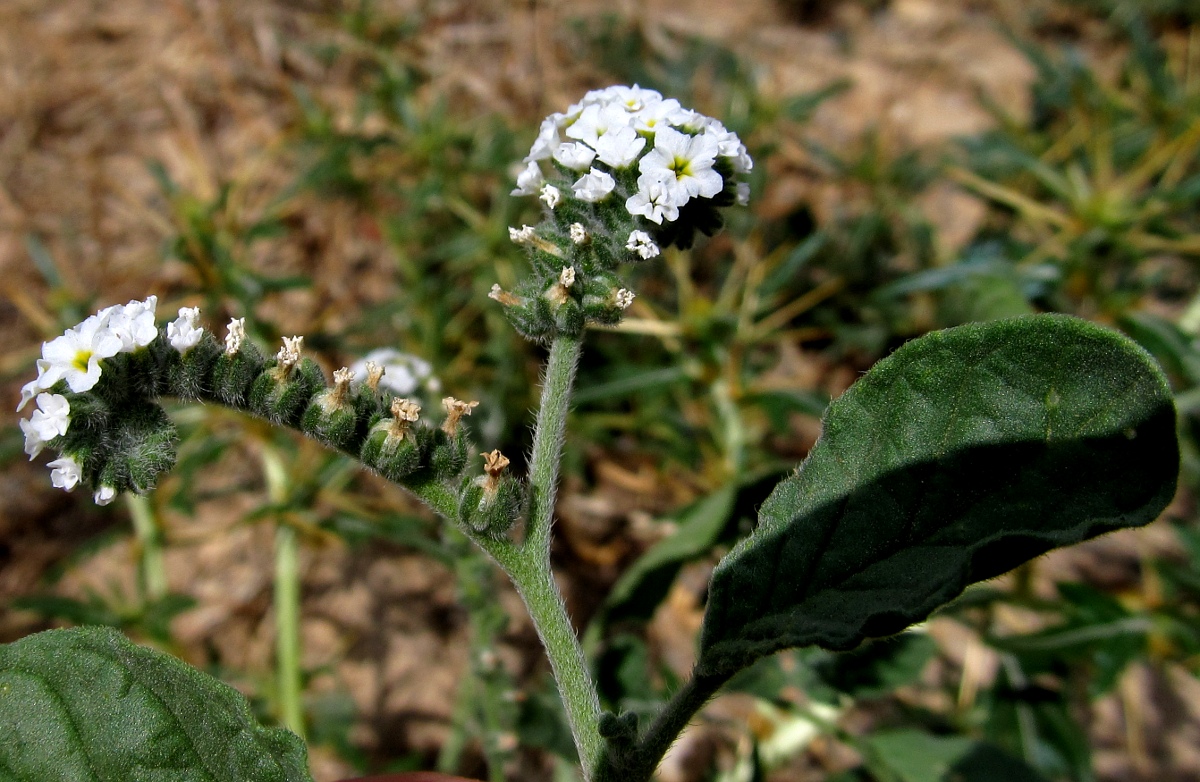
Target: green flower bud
[(449, 453), (394, 447), (234, 373), (283, 390), (569, 319), (331, 416), (493, 502)]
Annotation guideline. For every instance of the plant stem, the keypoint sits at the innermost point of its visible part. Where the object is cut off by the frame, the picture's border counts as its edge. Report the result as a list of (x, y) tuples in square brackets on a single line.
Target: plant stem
[(529, 564), (670, 722), (548, 441), (287, 598), (287, 627), (535, 583), (149, 536)]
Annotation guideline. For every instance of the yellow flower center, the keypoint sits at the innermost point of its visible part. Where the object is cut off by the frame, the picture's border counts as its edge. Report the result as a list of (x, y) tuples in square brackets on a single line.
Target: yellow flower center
[(81, 360)]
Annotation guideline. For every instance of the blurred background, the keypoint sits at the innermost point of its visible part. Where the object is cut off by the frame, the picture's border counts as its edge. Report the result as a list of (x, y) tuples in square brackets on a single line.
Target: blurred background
[(341, 168)]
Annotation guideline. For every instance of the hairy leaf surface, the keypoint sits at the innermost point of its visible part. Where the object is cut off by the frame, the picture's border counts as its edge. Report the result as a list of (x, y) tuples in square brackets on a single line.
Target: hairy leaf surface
[(962, 455), (86, 704)]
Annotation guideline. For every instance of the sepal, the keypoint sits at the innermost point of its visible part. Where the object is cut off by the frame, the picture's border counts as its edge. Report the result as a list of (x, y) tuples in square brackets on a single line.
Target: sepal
[(491, 511), (449, 455), (188, 375), (338, 426), (393, 457), (281, 397), (137, 447), (233, 375)]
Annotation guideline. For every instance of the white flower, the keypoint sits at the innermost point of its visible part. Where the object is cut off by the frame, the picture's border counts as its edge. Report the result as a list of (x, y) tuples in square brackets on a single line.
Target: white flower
[(76, 355), (521, 235), (633, 99), (34, 442), (575, 156), (654, 200), (743, 163), (41, 383), (236, 336), (133, 323), (566, 277), (685, 163), (579, 234), (743, 193), (402, 373), (182, 332), (289, 355), (530, 180), (620, 147), (52, 417), (551, 195), (656, 115), (641, 243), (104, 495), (597, 120), (688, 120), (593, 186), (65, 473), (547, 139), (624, 298)]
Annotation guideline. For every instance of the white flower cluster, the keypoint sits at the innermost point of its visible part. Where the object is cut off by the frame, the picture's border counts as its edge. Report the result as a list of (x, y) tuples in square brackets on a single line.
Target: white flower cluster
[(675, 150), (74, 358)]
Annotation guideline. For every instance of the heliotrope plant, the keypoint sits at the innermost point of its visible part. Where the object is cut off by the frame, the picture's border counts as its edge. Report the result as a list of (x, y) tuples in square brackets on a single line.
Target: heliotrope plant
[(955, 459)]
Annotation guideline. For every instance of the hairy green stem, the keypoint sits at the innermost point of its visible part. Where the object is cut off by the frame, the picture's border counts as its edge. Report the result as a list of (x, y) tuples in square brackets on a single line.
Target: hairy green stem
[(548, 440), (149, 536), (535, 583)]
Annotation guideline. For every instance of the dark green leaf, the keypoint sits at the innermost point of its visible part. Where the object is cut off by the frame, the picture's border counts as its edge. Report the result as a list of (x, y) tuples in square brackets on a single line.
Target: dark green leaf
[(916, 756), (86, 704), (964, 454)]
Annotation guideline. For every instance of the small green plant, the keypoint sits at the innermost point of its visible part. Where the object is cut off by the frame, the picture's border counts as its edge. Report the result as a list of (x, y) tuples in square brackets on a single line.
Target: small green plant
[(962, 455)]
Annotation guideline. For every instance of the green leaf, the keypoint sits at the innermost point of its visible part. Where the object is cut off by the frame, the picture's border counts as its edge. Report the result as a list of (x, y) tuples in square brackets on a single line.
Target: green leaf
[(86, 704), (964, 454), (916, 756)]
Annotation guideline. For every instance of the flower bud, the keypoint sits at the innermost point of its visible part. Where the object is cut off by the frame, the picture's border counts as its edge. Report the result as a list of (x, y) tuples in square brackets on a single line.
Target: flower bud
[(283, 390), (493, 502), (233, 374), (332, 417), (394, 446), (188, 374)]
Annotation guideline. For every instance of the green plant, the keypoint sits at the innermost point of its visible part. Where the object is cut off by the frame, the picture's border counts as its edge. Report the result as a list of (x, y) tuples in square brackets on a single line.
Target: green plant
[(962, 455)]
